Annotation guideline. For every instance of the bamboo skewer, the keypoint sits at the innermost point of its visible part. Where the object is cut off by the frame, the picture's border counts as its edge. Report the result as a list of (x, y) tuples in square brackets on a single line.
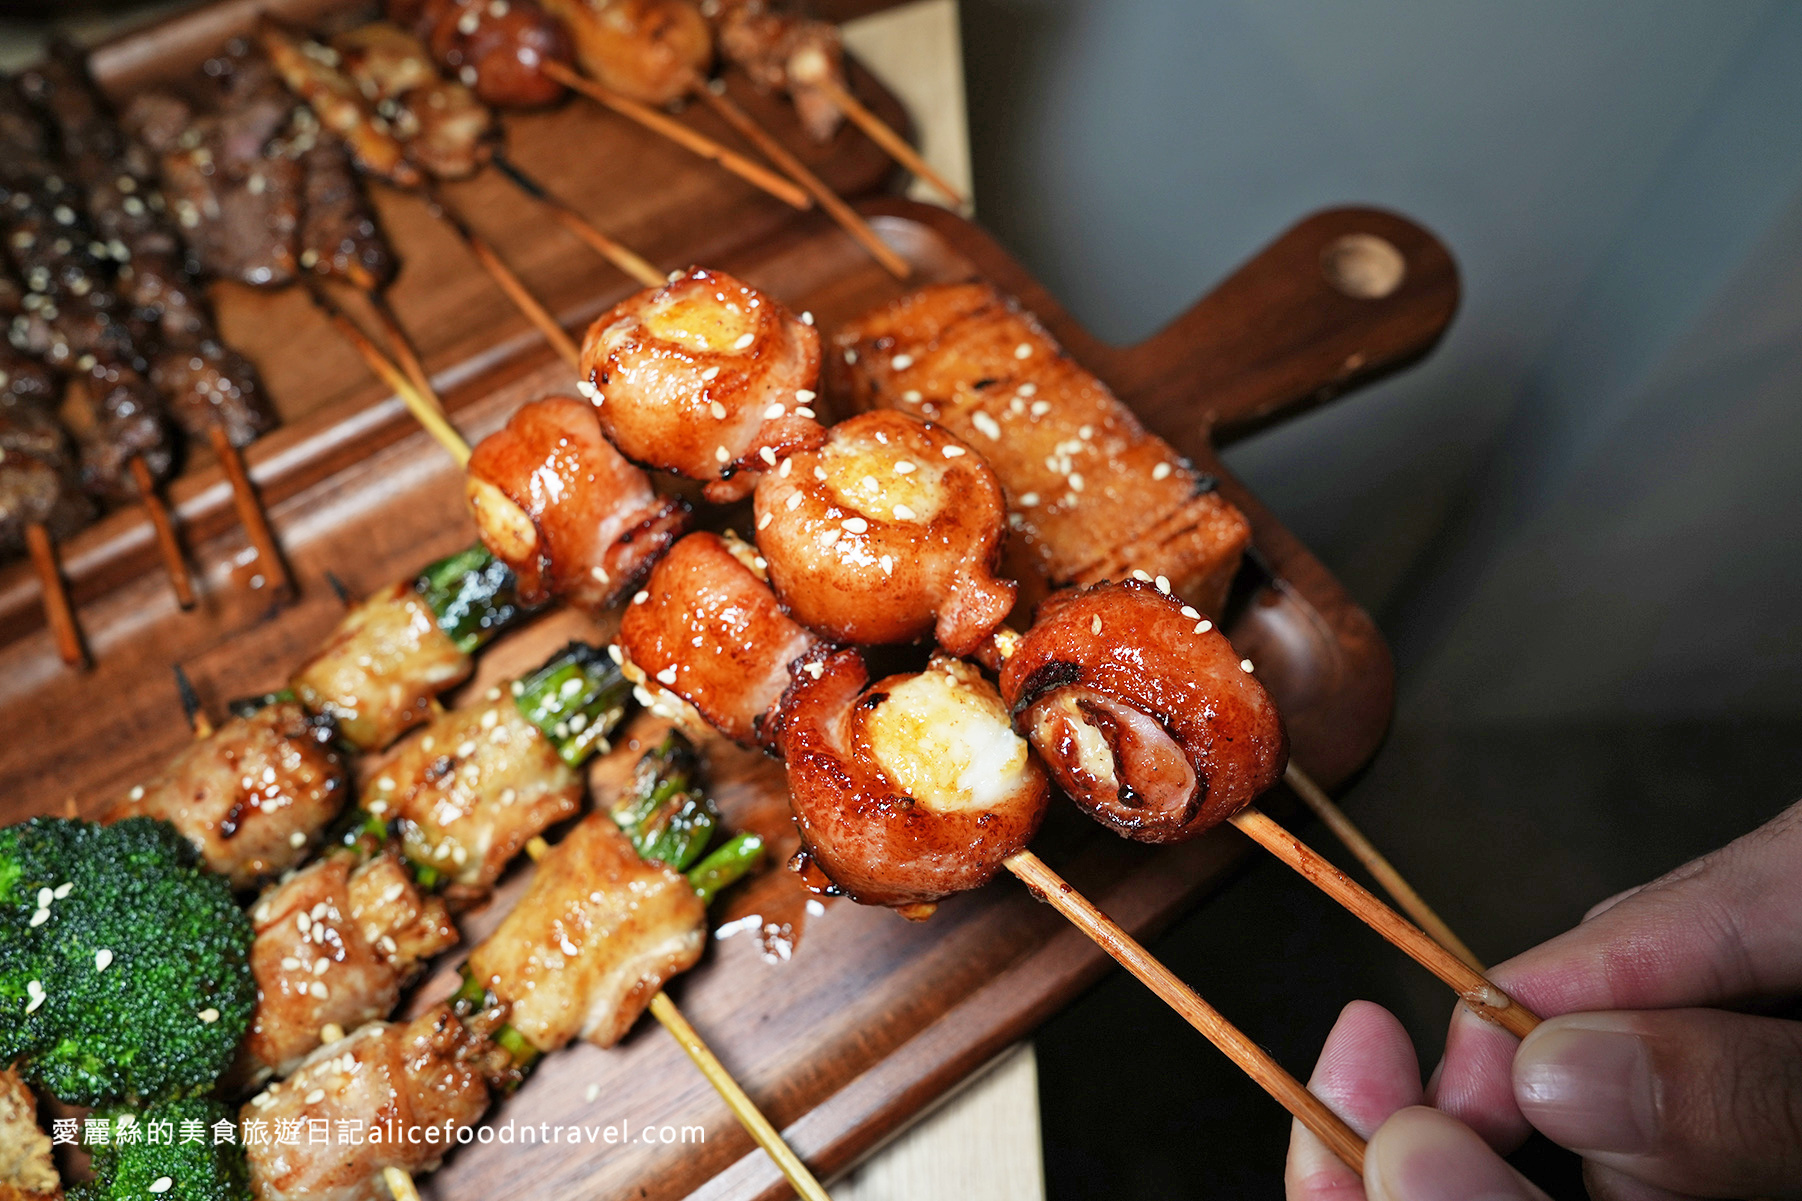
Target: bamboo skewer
[(250, 513), (680, 134), (847, 217), (1252, 1059), (1400, 891), (1483, 997), (57, 612), (879, 132), (617, 253), (401, 345), (510, 283), (167, 545)]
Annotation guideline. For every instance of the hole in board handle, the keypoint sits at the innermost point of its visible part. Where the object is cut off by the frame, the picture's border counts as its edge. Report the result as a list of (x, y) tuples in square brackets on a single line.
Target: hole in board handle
[(1363, 266)]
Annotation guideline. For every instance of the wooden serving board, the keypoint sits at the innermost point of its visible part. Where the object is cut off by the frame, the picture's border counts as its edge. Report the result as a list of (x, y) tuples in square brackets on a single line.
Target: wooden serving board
[(845, 1023), (671, 207)]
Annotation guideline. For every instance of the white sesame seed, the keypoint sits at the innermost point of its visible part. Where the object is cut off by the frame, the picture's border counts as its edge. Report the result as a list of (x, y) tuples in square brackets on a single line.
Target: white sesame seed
[(304, 922), (45, 896), (1028, 388), (987, 425), (594, 1090), (667, 676), (804, 411), (912, 396), (209, 1015), (137, 793), (773, 412), (904, 467), (39, 918), (901, 362), (36, 1000), (744, 341), (1203, 626), (103, 959), (1161, 471), (712, 373), (290, 964), (320, 991), (763, 523), (321, 965), (855, 525), (641, 598), (1029, 500), (1040, 408), (870, 484), (1095, 624), (1023, 350), (788, 465), (830, 537), (1085, 432), (888, 564), (1163, 583), (717, 409), (64, 889), (850, 355), (1141, 576), (721, 454), (466, 749), (314, 1097), (804, 396), (1245, 665), (768, 456), (1076, 481), (161, 1184), (819, 473), (298, 838), (903, 513), (806, 319), (954, 452), (816, 670), (1190, 612)]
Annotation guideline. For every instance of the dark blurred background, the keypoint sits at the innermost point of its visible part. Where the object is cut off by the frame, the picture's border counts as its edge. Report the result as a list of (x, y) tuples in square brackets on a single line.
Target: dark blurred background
[(1579, 523)]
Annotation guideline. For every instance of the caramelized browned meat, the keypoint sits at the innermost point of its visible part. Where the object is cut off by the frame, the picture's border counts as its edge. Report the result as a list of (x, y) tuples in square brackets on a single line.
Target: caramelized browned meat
[(597, 935), (1143, 711), (706, 377), (239, 224), (497, 49), (1092, 495), (206, 383), (314, 72), (339, 236), (446, 130), (911, 789), (650, 50), (399, 1077), (888, 532), (380, 670), (787, 52), (117, 416), (37, 477), (474, 787), (556, 503), (707, 630), (27, 1169), (334, 943), (253, 796)]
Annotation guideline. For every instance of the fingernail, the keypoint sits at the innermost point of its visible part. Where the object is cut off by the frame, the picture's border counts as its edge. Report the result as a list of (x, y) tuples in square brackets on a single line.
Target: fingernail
[(1423, 1155), (1585, 1081)]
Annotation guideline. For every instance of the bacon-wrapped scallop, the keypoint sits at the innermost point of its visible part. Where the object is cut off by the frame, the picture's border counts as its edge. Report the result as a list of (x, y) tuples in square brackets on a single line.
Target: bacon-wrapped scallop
[(706, 377), (1143, 711), (708, 630), (557, 504), (888, 531), (253, 796), (910, 789)]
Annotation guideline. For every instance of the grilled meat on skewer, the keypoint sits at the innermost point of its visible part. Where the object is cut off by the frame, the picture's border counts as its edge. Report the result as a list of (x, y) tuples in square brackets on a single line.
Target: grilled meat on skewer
[(499, 50), (556, 503), (447, 131), (707, 633), (253, 796), (649, 50), (38, 482), (1143, 711), (888, 532), (784, 52), (335, 944), (312, 71), (706, 377), (1091, 494)]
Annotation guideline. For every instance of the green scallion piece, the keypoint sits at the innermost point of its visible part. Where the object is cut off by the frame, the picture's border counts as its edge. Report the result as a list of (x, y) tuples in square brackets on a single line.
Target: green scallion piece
[(577, 699), (474, 595), (736, 858)]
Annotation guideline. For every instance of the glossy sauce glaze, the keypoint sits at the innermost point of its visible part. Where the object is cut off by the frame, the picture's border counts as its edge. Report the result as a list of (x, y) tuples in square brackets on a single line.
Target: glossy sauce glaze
[(706, 377), (1143, 711), (887, 532)]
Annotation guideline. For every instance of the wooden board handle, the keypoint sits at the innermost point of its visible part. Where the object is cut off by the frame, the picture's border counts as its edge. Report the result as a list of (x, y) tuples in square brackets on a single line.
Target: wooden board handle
[(1342, 298)]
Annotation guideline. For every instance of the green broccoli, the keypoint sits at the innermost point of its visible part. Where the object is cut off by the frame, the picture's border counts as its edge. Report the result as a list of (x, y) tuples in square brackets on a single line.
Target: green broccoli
[(124, 964), (168, 1152)]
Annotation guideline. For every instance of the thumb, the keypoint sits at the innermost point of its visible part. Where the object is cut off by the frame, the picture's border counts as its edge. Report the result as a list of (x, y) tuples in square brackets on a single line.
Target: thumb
[(1423, 1155), (1692, 1100)]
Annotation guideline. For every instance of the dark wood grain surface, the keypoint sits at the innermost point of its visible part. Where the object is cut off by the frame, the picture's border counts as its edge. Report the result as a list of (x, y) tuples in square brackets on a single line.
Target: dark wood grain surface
[(845, 1023)]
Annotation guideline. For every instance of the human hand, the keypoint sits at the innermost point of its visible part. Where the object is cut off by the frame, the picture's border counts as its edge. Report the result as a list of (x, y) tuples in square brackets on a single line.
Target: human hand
[(1660, 1096)]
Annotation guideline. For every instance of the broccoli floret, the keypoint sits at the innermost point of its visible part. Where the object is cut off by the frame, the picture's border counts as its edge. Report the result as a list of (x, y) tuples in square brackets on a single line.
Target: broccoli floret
[(167, 1152), (124, 963)]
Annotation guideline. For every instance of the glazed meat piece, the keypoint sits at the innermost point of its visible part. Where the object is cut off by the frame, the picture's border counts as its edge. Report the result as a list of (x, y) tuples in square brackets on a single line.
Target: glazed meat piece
[(1143, 711), (447, 132), (117, 416), (23, 380), (908, 790), (400, 1076), (253, 796), (37, 478), (708, 631), (650, 50), (207, 383), (706, 377), (313, 72), (240, 222), (27, 1169), (1091, 494), (556, 503), (499, 50), (378, 673), (473, 789), (339, 236), (335, 943), (787, 52), (597, 935), (887, 532)]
